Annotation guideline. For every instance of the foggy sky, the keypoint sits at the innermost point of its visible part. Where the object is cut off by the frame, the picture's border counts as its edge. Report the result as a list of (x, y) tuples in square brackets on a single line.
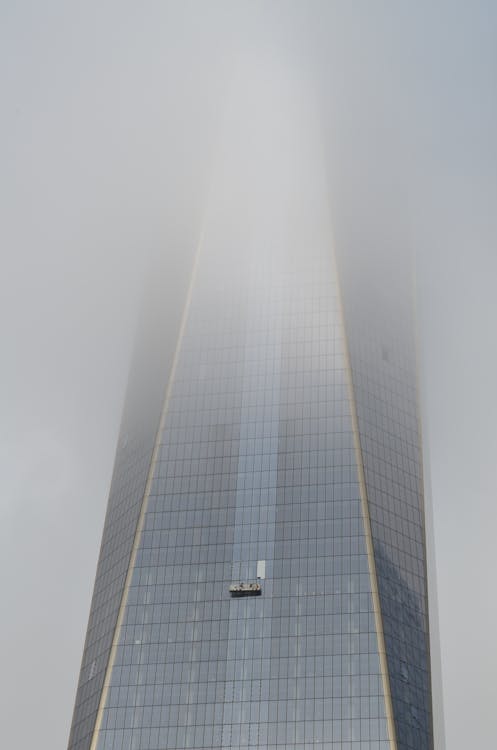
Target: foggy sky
[(110, 117)]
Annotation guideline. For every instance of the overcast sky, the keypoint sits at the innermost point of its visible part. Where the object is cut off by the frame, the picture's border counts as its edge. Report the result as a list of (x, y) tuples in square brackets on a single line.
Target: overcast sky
[(109, 118)]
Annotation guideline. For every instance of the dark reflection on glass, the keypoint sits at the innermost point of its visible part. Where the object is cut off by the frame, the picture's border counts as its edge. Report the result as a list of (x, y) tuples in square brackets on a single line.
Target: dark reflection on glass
[(407, 653)]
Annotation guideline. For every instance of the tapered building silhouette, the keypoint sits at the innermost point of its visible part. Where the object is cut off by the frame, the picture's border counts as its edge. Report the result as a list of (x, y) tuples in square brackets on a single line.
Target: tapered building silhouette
[(262, 576)]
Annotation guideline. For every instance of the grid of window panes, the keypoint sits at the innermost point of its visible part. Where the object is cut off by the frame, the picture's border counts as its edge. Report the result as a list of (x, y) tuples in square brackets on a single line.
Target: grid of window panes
[(256, 464), (151, 364), (380, 332), (128, 484)]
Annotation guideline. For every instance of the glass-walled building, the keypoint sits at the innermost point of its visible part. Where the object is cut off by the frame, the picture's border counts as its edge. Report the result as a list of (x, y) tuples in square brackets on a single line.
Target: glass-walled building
[(262, 576)]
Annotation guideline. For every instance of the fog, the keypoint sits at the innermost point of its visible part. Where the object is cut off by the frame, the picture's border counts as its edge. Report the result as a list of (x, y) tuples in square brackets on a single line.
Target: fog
[(113, 118)]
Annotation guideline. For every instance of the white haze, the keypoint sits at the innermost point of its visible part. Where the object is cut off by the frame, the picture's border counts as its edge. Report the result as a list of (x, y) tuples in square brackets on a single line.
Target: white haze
[(111, 115)]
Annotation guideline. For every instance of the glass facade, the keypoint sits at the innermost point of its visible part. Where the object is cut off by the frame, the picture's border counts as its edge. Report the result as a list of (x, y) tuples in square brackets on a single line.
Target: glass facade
[(148, 376), (287, 456), (380, 333)]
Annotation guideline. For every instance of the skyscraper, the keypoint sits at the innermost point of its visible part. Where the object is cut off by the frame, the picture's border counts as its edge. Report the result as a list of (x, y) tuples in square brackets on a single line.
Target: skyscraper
[(262, 577)]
